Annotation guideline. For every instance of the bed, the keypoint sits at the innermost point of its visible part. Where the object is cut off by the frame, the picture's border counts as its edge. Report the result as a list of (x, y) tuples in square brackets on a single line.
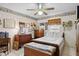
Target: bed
[(54, 36), (56, 42)]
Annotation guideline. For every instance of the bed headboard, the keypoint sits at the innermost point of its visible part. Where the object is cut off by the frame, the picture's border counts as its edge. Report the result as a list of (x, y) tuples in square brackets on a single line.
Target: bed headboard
[(56, 21)]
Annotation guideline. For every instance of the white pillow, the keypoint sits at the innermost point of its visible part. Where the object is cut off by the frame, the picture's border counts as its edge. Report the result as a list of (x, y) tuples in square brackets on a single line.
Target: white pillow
[(54, 34), (54, 27), (54, 31)]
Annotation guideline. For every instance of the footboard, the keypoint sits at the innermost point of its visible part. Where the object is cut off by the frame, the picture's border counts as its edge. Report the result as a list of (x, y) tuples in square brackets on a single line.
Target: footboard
[(36, 49), (34, 52)]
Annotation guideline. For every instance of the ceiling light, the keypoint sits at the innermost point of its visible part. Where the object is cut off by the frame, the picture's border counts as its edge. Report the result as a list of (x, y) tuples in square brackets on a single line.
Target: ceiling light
[(40, 12)]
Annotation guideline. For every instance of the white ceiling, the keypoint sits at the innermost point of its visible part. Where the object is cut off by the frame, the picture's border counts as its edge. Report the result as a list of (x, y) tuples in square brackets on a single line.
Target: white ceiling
[(59, 8)]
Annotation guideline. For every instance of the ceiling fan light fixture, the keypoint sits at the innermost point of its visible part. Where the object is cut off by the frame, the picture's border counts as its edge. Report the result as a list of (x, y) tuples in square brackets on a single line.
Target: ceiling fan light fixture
[(40, 13), (40, 10)]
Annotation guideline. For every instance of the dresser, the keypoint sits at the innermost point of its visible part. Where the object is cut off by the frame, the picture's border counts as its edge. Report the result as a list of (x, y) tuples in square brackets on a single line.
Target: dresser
[(39, 33), (20, 40)]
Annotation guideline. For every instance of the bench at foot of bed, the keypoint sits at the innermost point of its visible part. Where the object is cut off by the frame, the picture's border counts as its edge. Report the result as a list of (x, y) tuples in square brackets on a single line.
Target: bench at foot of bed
[(37, 49)]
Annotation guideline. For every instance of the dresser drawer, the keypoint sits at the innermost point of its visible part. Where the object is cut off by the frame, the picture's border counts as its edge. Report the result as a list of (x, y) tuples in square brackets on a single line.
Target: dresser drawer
[(25, 38)]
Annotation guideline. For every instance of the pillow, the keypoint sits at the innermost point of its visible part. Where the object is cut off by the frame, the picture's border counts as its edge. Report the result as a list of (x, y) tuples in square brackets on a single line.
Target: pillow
[(53, 34), (54, 27), (54, 31)]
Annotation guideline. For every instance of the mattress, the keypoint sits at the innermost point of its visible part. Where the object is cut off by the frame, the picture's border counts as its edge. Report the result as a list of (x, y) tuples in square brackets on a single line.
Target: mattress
[(50, 40), (59, 42)]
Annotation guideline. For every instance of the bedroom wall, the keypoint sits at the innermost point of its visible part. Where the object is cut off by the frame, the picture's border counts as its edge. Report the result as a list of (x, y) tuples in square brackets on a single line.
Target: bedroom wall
[(70, 35), (17, 18)]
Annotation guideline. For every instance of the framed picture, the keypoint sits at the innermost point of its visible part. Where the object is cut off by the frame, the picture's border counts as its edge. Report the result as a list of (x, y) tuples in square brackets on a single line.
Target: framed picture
[(9, 23), (44, 24), (1, 23)]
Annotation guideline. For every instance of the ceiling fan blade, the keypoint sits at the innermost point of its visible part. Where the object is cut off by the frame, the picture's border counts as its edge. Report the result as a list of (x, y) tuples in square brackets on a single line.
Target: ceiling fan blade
[(31, 9), (49, 9), (45, 13)]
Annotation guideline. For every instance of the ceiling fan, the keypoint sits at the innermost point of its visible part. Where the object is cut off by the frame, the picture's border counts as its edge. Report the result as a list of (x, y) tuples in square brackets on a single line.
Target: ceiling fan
[(40, 10)]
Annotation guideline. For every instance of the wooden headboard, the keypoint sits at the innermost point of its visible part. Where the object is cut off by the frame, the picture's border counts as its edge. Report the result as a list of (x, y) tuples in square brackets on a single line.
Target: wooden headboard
[(56, 21)]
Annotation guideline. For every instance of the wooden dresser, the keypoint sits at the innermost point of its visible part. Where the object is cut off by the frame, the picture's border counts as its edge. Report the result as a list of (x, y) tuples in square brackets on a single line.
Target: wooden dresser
[(20, 40), (39, 33)]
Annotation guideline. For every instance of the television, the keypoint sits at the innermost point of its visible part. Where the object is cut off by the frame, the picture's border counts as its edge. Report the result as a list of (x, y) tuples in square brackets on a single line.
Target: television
[(77, 12)]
